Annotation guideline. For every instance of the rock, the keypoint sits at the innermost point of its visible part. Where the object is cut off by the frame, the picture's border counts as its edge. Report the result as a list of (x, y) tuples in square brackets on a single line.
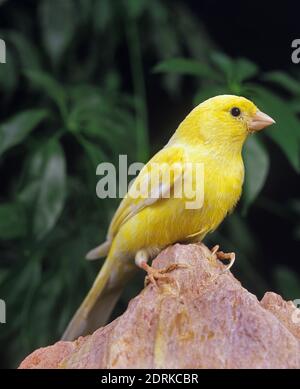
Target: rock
[(201, 318)]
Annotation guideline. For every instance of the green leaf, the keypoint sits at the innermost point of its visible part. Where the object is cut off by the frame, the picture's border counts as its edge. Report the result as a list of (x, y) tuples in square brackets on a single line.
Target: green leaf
[(239, 231), (244, 69), (256, 162), (295, 105), (52, 188), (9, 75), (28, 194), (27, 53), (102, 14), (223, 63), (186, 66), (58, 20), (236, 71), (85, 8), (284, 80), (287, 283), (17, 128), (50, 87), (12, 221), (93, 151), (135, 8), (286, 131)]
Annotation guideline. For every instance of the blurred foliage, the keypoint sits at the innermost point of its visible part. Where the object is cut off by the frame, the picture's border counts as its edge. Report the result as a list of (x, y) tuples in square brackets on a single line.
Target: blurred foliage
[(78, 107)]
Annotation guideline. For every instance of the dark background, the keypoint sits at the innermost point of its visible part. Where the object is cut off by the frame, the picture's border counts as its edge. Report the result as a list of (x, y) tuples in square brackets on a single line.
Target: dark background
[(43, 276)]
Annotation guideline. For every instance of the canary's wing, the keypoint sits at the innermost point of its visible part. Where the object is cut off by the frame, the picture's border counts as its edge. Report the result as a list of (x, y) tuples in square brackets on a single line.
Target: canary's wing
[(155, 181)]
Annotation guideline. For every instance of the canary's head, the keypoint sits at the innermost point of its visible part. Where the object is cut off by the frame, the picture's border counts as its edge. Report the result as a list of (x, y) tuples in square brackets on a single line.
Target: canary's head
[(224, 119)]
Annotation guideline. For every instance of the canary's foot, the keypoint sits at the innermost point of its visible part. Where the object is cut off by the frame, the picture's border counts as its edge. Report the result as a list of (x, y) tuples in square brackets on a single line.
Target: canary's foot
[(153, 275), (221, 256)]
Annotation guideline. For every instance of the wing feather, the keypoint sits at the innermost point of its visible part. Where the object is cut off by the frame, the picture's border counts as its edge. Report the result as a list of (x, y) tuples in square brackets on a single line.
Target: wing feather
[(154, 182)]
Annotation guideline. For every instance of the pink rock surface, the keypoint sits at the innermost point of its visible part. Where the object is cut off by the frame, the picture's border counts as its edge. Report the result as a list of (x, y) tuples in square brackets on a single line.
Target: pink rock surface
[(200, 319)]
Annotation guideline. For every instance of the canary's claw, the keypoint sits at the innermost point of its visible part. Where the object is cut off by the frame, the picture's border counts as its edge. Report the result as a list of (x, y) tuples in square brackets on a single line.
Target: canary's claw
[(215, 249), (153, 275), (221, 256)]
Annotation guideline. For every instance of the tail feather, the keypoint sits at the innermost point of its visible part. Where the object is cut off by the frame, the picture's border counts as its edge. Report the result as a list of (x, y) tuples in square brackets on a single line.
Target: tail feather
[(97, 306), (99, 251), (101, 311), (79, 323)]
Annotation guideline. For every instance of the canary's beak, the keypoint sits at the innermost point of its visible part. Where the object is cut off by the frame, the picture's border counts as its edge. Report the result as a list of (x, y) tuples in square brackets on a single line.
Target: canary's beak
[(259, 121)]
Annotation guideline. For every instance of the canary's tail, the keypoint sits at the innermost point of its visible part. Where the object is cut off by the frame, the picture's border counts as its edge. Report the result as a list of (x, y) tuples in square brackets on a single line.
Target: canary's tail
[(99, 302)]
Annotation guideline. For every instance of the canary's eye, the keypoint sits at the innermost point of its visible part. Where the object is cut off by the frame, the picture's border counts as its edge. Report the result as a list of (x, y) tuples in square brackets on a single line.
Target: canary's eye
[(235, 111)]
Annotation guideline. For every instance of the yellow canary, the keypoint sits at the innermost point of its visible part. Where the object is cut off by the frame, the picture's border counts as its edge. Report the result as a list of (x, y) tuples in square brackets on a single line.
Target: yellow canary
[(212, 136)]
